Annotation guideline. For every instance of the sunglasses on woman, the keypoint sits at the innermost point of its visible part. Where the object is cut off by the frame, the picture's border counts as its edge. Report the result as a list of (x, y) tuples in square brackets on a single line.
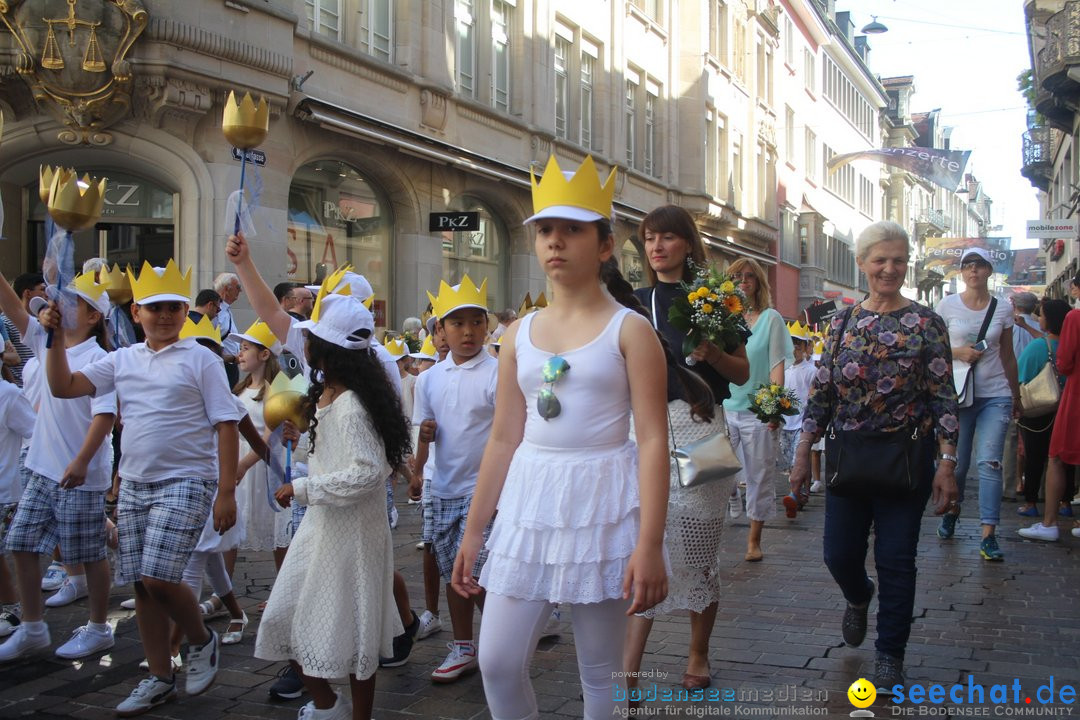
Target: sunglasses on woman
[(547, 405)]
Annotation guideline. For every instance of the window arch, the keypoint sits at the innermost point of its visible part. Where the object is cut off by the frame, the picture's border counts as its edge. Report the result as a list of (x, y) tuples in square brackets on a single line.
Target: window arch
[(481, 253)]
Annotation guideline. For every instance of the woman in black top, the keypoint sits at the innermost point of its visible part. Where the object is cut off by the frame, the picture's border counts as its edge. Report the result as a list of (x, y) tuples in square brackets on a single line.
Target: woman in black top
[(695, 515)]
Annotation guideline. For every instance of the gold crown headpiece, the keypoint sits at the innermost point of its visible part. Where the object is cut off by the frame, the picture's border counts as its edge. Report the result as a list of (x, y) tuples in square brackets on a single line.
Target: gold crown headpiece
[(170, 283), (245, 124), (582, 191), (396, 347), (116, 282), (463, 295), (427, 350), (203, 329), (74, 204), (798, 330), (336, 283), (261, 333), (87, 285), (528, 306), (285, 400), (819, 347), (46, 173)]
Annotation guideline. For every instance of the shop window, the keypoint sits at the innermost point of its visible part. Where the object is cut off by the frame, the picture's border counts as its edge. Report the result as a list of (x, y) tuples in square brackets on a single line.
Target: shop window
[(335, 217), (479, 253)]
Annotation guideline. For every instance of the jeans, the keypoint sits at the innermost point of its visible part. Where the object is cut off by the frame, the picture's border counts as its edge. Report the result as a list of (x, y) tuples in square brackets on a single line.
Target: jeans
[(982, 430), (896, 525)]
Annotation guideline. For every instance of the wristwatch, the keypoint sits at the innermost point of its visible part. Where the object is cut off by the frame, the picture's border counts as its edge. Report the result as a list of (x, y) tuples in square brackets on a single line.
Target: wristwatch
[(946, 456)]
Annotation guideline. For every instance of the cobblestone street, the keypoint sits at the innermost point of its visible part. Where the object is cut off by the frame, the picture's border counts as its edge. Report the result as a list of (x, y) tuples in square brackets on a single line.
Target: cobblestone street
[(776, 650)]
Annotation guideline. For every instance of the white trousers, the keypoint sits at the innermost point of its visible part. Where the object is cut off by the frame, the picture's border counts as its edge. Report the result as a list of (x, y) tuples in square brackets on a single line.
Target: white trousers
[(211, 564), (509, 631), (756, 446)]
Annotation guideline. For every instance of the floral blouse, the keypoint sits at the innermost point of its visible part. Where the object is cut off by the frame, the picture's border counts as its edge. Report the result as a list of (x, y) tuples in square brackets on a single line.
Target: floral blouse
[(891, 370)]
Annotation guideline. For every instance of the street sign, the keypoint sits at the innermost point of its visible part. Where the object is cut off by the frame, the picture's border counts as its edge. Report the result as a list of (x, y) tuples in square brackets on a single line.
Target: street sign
[(453, 221), (1044, 229), (253, 156)]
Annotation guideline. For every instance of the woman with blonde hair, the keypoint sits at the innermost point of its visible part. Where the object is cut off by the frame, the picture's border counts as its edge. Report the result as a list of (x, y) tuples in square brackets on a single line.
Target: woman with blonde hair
[(755, 442)]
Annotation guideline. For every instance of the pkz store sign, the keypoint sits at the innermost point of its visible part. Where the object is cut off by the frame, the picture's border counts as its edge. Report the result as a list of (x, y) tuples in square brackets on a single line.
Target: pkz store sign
[(126, 198), (453, 221)]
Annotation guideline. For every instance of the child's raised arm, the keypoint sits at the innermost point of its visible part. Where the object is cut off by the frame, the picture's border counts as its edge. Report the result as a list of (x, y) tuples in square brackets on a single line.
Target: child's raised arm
[(645, 363), (62, 382), (507, 430), (266, 306)]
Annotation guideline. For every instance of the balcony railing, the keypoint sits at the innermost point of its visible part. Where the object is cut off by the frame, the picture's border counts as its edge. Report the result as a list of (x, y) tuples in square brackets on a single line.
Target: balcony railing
[(934, 218), (1060, 52), (1038, 164)]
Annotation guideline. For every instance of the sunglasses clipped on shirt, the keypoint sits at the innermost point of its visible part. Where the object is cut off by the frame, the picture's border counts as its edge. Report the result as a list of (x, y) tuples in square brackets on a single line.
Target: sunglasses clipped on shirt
[(553, 370)]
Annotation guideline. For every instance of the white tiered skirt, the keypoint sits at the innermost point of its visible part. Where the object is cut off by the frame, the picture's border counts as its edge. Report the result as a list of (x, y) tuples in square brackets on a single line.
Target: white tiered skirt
[(567, 524)]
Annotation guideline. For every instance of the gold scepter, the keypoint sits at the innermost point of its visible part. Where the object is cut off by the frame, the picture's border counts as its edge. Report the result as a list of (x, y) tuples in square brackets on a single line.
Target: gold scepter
[(286, 400), (245, 125)]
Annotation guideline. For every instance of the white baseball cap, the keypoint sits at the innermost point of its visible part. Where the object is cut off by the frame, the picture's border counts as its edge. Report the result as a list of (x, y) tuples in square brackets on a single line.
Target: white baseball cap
[(343, 321), (979, 252)]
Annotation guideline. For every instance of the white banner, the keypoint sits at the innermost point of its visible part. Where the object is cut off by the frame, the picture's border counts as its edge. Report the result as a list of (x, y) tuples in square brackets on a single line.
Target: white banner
[(1044, 229)]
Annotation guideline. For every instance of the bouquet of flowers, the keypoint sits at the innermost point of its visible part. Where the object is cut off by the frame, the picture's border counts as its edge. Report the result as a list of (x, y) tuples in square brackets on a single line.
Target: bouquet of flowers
[(411, 341), (771, 402), (710, 310)]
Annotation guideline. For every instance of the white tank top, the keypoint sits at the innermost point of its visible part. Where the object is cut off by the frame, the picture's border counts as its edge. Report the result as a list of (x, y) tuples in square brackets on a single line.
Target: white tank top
[(594, 393)]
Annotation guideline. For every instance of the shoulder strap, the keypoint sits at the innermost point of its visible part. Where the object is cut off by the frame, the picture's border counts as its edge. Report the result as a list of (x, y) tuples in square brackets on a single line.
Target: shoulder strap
[(986, 320), (652, 309)]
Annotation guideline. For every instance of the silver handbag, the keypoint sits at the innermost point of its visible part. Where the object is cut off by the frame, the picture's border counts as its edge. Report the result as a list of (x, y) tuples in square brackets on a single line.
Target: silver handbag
[(705, 460), (1041, 394)]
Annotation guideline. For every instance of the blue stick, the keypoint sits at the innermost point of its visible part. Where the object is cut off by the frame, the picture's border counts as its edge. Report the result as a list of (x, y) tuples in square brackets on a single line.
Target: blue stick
[(240, 200), (288, 461)]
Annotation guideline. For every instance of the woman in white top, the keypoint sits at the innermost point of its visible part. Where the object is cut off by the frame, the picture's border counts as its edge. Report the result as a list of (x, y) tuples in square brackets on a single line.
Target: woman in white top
[(983, 424)]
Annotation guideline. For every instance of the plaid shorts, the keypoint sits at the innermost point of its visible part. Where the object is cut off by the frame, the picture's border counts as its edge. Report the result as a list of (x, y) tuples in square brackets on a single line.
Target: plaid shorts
[(448, 530), (49, 515), (160, 524), (7, 512)]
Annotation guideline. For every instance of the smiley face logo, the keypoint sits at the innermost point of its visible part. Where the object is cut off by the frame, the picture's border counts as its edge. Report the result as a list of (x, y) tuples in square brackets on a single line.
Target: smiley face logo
[(862, 693)]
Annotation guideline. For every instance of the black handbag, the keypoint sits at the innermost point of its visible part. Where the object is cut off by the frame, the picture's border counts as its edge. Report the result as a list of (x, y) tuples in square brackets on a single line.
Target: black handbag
[(873, 463)]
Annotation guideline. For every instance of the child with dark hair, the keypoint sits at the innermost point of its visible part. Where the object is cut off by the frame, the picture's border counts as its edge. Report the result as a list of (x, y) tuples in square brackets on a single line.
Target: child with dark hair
[(332, 613)]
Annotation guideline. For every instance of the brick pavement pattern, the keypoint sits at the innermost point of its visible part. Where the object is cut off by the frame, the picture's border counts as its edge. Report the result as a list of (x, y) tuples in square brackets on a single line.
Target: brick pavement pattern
[(776, 648)]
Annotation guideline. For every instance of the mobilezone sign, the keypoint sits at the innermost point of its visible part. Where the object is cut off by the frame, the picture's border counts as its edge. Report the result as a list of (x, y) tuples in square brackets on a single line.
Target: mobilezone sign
[(1052, 229)]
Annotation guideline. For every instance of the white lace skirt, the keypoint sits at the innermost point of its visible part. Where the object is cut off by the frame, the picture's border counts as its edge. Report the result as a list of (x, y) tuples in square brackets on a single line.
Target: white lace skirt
[(566, 526), (695, 521)]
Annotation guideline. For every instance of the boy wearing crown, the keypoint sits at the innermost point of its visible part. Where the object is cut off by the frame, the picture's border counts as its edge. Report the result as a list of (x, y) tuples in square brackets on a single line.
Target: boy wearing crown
[(454, 406), (69, 464), (174, 398)]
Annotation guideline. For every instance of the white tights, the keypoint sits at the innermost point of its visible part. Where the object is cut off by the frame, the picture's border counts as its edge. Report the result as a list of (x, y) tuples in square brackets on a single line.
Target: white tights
[(509, 631), (212, 564)]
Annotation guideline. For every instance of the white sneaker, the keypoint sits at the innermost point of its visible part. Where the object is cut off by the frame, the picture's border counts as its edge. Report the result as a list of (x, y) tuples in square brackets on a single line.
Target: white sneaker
[(342, 710), (9, 620), (551, 629), (202, 666), (735, 505), (1038, 531), (128, 604), (22, 644), (68, 593), (429, 625), (461, 661), (177, 663), (85, 642), (420, 545), (1076, 532), (394, 516), (816, 486), (54, 577), (148, 694)]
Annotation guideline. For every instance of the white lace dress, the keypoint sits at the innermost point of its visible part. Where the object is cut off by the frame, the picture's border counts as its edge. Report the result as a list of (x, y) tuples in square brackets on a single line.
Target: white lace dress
[(332, 607), (252, 507), (695, 521)]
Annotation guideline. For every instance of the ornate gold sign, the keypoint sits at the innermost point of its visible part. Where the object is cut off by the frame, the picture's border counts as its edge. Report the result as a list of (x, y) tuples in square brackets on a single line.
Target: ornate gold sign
[(73, 56)]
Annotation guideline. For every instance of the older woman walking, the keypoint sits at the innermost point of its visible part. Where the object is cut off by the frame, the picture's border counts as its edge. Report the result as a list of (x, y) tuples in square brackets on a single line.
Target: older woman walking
[(886, 368)]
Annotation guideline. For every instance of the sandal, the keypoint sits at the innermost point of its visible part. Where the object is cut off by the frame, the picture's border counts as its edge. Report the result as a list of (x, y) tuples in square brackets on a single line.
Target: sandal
[(212, 608), (233, 637)]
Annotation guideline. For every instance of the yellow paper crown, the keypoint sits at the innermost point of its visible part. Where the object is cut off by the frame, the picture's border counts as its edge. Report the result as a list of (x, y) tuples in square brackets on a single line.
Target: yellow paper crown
[(583, 190), (528, 306), (245, 124), (170, 282), (116, 282), (262, 334), (329, 287), (73, 206), (819, 347), (428, 348), (798, 330), (203, 329), (396, 347), (465, 294), (87, 284)]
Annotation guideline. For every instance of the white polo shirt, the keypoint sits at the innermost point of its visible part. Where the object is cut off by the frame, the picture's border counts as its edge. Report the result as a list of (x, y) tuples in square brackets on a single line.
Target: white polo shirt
[(461, 400), (61, 424), (170, 401), (294, 343), (16, 423)]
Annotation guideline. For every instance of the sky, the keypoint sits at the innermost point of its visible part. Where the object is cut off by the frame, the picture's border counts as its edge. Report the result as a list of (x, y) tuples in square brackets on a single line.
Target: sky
[(965, 56)]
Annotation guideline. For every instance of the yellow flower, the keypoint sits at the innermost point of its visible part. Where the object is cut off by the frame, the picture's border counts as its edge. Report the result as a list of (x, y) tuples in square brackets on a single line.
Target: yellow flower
[(733, 304), (702, 292), (774, 387), (706, 308), (691, 297), (713, 297), (785, 403), (727, 287)]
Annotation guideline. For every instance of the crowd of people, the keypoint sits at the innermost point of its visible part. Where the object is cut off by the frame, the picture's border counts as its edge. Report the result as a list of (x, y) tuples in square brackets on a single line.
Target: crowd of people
[(539, 449)]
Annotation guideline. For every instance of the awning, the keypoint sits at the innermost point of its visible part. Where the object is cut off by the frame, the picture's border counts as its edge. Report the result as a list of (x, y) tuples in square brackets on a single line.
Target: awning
[(730, 247), (356, 124)]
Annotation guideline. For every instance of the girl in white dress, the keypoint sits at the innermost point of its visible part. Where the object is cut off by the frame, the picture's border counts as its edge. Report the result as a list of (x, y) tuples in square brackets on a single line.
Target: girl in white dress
[(581, 508), (259, 350), (331, 612)]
